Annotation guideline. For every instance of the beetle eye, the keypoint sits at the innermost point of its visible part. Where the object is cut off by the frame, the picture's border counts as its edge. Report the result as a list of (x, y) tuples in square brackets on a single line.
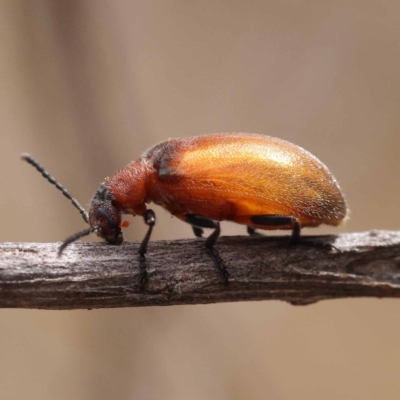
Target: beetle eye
[(103, 217)]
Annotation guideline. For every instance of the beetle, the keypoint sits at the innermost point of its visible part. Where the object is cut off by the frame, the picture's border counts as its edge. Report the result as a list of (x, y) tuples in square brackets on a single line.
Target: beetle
[(251, 179)]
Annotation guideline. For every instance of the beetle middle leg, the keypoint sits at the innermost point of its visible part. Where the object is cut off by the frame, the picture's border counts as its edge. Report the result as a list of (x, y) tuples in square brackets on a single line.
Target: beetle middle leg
[(253, 232), (149, 218), (198, 232), (198, 221)]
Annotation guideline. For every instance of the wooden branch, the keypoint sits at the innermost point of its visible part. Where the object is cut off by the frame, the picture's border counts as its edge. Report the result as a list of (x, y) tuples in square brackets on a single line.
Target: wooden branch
[(96, 275)]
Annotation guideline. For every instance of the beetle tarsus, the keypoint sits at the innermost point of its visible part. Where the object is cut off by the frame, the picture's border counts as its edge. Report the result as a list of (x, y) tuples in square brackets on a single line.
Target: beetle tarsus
[(296, 240), (149, 218), (251, 231), (198, 232)]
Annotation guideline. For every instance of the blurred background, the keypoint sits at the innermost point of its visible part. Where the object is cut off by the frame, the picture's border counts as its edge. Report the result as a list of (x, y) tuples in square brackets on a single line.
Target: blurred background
[(87, 86)]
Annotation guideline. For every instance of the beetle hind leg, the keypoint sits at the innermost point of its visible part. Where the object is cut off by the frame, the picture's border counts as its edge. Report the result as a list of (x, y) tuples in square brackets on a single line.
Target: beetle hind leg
[(198, 222), (295, 239), (276, 221), (198, 232)]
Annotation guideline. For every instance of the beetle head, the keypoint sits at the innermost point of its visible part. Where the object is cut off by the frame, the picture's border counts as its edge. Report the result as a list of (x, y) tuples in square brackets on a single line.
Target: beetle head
[(105, 217)]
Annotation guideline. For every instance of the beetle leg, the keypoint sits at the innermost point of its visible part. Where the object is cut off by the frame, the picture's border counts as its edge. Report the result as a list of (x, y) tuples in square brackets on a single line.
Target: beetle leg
[(198, 221), (198, 232), (252, 231), (283, 220), (277, 220), (295, 239), (149, 218)]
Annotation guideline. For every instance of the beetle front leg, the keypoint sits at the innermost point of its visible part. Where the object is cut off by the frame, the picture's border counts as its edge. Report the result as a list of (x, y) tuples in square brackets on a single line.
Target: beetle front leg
[(149, 218)]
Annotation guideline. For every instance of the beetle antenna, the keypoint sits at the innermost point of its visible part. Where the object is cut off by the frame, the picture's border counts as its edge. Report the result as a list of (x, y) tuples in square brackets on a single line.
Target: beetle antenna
[(64, 191), (75, 237)]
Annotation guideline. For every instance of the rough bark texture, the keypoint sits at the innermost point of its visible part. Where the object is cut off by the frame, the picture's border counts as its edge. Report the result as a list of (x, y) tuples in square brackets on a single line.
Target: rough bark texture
[(96, 275)]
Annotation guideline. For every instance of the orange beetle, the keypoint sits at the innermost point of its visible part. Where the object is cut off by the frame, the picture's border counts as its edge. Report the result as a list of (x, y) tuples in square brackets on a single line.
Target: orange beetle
[(255, 180)]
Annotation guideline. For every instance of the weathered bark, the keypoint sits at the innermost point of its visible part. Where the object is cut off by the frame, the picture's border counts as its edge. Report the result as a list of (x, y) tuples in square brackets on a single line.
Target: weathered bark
[(96, 275)]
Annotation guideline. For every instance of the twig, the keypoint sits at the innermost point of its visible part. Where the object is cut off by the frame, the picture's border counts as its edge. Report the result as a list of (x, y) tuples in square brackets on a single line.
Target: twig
[(96, 275)]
